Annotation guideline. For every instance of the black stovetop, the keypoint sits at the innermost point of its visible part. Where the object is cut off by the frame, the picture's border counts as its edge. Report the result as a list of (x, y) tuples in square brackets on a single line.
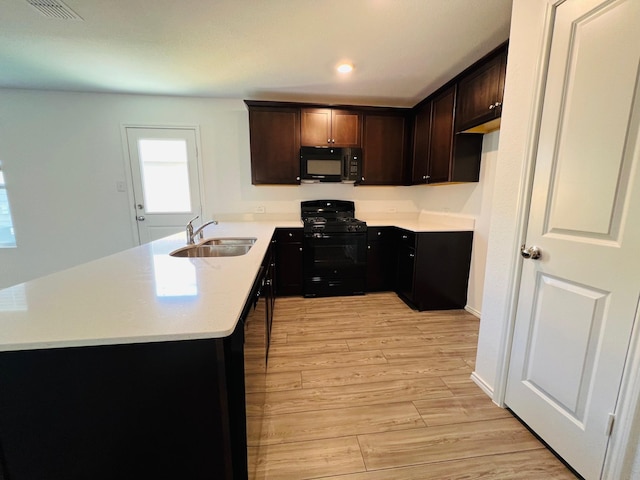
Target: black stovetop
[(330, 216)]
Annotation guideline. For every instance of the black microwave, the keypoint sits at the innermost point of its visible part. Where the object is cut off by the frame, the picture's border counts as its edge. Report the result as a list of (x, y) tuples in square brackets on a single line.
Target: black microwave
[(330, 164)]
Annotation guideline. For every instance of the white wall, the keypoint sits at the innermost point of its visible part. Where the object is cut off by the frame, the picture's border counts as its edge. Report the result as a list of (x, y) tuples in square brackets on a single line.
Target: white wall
[(527, 24), (62, 155)]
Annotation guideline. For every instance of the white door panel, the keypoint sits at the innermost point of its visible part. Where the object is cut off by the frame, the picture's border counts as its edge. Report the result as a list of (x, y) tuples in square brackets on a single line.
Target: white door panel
[(577, 303), (566, 323)]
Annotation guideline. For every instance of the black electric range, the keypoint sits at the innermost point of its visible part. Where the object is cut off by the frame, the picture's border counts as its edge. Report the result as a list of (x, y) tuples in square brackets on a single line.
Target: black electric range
[(334, 249)]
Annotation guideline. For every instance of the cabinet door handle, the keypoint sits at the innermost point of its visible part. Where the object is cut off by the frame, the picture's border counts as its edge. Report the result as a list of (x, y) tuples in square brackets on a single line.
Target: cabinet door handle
[(412, 255), (328, 140), (404, 237), (291, 234), (363, 179), (300, 248), (498, 104), (298, 179), (368, 247), (492, 106)]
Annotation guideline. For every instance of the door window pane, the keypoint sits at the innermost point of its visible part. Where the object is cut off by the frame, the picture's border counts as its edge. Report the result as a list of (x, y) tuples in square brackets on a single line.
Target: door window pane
[(7, 235), (165, 175)]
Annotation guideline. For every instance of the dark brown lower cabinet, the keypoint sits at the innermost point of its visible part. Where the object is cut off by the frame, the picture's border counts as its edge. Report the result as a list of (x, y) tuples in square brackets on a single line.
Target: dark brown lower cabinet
[(381, 259), (406, 254), (161, 410), (288, 253), (433, 269), (269, 289), (152, 410), (428, 270)]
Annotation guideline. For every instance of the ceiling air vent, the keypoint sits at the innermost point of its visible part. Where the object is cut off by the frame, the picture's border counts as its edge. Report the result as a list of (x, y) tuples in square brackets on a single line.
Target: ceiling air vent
[(54, 9)]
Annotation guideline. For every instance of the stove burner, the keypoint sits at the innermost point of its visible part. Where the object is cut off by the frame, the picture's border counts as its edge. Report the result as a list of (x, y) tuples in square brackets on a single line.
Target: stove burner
[(315, 220), (330, 216)]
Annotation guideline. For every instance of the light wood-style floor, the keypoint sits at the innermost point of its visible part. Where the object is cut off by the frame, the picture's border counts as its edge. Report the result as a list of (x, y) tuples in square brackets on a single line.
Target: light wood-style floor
[(364, 388)]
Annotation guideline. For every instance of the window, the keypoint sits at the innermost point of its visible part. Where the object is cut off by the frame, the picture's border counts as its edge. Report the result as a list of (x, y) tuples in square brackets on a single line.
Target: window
[(7, 235), (165, 175)]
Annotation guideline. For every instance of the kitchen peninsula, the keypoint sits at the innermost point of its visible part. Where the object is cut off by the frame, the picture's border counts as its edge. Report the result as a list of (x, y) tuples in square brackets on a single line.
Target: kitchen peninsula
[(123, 367)]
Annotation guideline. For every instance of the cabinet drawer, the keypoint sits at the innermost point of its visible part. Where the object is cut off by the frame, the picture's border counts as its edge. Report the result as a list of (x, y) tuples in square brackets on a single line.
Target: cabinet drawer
[(379, 234), (289, 235), (405, 237)]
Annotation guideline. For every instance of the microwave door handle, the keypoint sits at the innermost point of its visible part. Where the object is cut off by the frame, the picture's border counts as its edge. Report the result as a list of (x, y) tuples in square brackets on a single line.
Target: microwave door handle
[(345, 165)]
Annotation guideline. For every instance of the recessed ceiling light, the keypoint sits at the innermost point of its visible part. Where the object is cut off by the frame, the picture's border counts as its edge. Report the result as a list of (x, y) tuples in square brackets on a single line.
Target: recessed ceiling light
[(345, 68)]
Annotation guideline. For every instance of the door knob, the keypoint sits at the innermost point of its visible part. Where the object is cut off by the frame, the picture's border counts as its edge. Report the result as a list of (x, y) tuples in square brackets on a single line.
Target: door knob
[(140, 206), (532, 252), (140, 218)]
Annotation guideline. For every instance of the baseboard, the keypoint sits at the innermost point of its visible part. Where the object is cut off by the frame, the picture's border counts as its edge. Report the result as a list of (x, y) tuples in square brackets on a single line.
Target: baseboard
[(484, 386), (472, 311)]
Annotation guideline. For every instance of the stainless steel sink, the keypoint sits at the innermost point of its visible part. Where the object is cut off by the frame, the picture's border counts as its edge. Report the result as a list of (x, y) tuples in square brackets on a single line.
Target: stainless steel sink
[(229, 241), (218, 250)]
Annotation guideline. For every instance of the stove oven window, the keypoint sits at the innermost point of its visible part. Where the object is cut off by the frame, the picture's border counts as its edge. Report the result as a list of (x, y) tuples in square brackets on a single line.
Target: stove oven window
[(336, 252)]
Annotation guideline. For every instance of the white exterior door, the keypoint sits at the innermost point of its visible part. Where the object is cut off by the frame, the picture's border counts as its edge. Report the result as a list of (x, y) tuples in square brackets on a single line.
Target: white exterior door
[(578, 301), (164, 173)]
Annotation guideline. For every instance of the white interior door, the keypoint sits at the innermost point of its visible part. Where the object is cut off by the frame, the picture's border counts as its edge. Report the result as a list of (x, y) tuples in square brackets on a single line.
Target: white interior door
[(578, 301), (164, 172)]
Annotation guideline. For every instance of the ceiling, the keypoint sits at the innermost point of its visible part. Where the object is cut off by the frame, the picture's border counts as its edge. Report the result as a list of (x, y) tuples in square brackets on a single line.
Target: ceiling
[(402, 50)]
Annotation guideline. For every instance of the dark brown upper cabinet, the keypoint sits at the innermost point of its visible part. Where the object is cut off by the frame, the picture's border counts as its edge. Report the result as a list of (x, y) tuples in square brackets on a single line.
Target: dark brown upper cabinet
[(421, 142), (441, 144), (439, 155), (330, 127), (384, 148), (438, 141), (480, 92), (275, 144)]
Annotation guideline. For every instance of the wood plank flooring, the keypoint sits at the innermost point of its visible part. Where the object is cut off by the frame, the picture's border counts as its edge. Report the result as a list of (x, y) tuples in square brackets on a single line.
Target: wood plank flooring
[(364, 388)]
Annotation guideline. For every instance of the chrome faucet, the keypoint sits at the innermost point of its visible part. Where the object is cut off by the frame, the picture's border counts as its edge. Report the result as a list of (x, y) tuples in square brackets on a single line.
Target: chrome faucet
[(191, 234)]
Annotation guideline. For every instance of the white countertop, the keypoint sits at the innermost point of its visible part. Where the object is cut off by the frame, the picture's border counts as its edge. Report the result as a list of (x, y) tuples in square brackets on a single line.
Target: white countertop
[(425, 221), (145, 295)]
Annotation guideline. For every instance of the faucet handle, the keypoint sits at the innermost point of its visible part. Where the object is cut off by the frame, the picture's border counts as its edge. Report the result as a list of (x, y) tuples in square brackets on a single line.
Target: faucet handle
[(190, 230)]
